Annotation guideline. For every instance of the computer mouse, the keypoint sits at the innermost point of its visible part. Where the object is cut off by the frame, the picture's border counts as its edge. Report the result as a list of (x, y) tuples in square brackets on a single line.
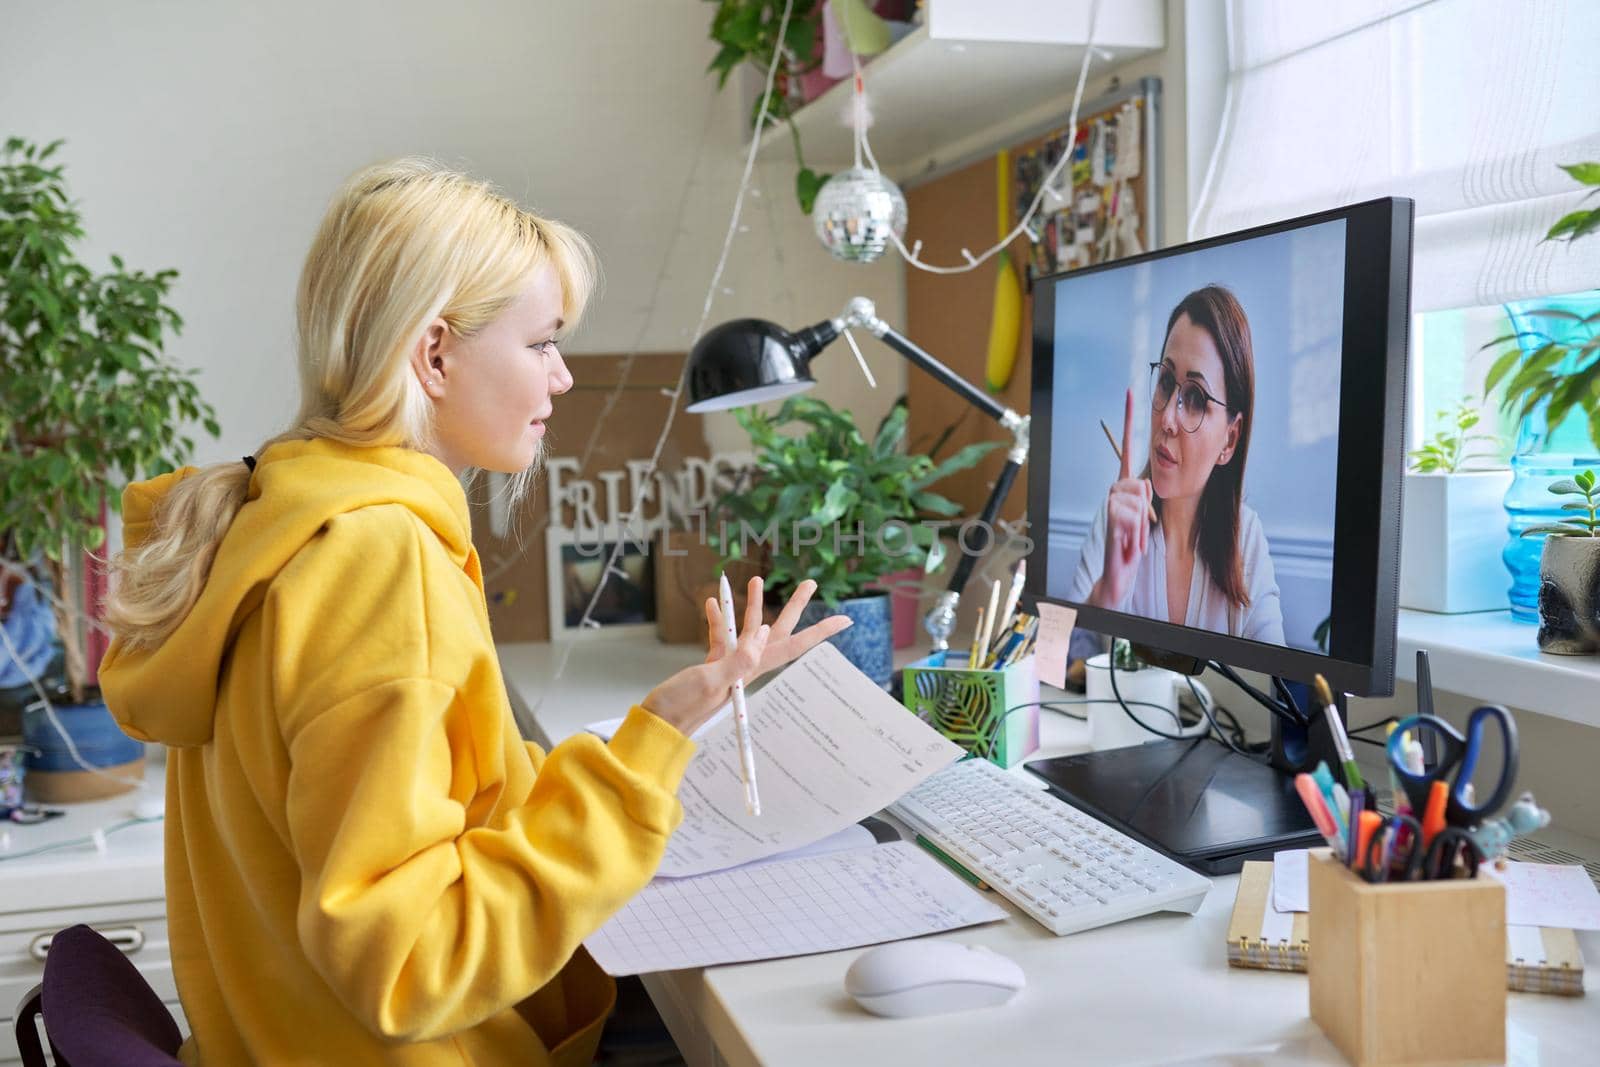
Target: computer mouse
[(907, 978)]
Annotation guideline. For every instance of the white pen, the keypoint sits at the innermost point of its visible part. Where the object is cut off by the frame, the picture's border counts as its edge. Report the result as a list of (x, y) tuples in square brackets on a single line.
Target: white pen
[(1014, 594), (741, 718)]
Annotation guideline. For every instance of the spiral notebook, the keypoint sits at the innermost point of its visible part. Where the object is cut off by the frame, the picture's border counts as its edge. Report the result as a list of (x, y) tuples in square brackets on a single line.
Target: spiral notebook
[(1539, 959)]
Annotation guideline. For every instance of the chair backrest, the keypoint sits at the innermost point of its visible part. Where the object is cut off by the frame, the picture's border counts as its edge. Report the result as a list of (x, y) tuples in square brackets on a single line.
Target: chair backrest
[(98, 1009)]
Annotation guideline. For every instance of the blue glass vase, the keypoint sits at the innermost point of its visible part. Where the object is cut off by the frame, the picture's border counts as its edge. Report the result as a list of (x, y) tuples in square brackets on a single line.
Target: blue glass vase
[(1543, 453)]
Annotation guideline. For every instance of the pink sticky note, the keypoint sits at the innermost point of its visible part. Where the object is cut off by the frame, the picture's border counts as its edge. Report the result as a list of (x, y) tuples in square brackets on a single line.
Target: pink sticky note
[(1055, 631)]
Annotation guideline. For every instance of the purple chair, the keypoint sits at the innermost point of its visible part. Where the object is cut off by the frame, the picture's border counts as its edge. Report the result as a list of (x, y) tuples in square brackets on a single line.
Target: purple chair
[(98, 1009)]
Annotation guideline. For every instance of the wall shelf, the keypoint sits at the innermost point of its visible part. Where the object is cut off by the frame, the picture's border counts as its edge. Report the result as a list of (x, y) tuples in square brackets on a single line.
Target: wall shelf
[(1494, 658), (936, 100)]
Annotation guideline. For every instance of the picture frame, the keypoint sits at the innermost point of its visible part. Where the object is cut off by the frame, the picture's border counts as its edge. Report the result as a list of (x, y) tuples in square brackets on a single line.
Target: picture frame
[(574, 562)]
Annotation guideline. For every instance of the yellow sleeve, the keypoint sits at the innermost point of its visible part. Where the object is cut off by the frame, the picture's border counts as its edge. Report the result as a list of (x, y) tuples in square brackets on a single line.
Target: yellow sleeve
[(422, 927)]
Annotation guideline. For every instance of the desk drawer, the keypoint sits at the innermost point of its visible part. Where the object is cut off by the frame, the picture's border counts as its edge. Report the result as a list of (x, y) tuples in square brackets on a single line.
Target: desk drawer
[(139, 926)]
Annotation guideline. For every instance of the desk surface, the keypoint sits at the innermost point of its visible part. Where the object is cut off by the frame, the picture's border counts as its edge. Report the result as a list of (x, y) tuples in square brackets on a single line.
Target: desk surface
[(1151, 990)]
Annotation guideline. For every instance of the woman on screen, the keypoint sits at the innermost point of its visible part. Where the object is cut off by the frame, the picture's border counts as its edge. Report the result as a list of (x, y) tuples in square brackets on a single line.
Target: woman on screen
[(1177, 543)]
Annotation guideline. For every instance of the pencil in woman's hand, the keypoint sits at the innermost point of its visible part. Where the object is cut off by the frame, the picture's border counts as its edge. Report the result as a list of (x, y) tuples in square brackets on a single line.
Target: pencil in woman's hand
[(1149, 509)]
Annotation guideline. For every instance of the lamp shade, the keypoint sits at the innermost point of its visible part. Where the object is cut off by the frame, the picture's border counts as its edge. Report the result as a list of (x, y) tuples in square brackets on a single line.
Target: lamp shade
[(747, 361)]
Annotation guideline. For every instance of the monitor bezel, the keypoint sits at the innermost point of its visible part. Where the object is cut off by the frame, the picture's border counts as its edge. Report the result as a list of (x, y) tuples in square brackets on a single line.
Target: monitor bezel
[(1372, 391)]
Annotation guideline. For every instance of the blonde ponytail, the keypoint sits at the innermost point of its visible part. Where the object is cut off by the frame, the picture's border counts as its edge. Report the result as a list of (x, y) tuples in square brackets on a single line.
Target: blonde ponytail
[(402, 244)]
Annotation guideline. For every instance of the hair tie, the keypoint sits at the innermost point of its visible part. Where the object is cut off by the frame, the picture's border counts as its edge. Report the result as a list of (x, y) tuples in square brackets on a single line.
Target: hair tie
[(250, 461)]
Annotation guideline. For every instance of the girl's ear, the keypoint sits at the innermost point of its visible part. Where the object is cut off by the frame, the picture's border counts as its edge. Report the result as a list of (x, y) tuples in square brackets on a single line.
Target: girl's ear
[(427, 359), (1235, 425)]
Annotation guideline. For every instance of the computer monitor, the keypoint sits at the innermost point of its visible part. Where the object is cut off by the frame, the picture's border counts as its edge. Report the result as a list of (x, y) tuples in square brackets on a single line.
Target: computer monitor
[(1256, 382)]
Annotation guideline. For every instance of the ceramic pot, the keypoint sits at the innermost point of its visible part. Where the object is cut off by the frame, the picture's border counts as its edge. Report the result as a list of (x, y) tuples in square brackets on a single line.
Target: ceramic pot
[(1450, 541), (55, 777), (866, 642), (1569, 596)]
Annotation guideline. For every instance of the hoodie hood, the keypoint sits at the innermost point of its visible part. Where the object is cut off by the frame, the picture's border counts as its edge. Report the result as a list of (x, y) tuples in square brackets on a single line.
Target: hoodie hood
[(168, 694)]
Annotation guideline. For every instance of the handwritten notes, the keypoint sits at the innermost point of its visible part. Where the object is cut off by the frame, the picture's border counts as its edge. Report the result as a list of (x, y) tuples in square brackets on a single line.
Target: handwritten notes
[(830, 747), (1549, 894), (1055, 632)]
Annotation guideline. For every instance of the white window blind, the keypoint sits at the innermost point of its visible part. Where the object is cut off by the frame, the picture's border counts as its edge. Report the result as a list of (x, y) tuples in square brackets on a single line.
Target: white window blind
[(1466, 106)]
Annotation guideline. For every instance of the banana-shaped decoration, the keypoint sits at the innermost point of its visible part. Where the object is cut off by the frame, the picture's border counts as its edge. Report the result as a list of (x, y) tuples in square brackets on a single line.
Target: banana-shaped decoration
[(1005, 322)]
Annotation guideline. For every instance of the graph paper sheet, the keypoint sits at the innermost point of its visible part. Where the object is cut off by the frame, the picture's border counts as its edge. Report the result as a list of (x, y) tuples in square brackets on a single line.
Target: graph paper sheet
[(788, 908)]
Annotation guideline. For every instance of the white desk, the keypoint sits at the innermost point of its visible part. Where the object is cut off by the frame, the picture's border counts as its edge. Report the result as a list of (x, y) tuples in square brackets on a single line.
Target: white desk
[(1153, 990)]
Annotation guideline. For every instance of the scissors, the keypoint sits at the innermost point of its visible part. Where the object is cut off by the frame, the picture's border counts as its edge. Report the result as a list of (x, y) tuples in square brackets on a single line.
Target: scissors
[(1458, 758), (1436, 860)]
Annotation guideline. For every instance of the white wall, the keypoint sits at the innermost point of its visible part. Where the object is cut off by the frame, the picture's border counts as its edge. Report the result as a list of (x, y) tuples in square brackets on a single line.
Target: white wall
[(207, 137)]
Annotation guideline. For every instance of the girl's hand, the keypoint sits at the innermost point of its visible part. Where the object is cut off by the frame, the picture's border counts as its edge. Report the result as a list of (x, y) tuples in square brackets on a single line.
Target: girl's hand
[(1128, 517), (693, 695)]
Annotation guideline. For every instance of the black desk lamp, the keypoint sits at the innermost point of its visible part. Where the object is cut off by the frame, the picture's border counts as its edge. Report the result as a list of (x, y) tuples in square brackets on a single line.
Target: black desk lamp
[(748, 361)]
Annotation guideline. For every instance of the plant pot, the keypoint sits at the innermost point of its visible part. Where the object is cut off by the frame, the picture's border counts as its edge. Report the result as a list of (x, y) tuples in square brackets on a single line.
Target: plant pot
[(866, 642), (905, 597), (1450, 541), (55, 777), (1543, 453), (1569, 596)]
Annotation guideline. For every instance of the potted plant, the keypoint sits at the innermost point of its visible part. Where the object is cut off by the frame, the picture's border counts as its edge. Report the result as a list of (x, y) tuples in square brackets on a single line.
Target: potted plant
[(1550, 367), (1569, 571), (827, 505), (1450, 534), (91, 402)]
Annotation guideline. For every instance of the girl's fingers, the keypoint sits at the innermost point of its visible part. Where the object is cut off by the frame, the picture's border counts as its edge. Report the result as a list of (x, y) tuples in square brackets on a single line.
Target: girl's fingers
[(790, 615), (714, 627), (799, 644), (752, 604)]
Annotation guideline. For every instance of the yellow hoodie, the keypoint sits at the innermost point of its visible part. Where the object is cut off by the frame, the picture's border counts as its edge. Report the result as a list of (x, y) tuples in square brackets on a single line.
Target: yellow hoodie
[(365, 863)]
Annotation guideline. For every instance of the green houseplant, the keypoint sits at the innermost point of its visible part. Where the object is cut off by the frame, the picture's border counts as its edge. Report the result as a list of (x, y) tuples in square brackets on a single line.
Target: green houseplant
[(747, 32), (91, 399), (1450, 533), (1550, 372), (1569, 570), (828, 505)]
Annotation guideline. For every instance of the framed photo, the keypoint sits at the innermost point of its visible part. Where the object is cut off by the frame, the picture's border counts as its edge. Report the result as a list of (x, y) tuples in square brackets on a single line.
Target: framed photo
[(575, 560)]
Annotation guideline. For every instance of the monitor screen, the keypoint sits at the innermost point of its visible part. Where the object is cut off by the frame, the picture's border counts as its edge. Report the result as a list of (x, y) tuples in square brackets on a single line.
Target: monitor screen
[(1212, 429)]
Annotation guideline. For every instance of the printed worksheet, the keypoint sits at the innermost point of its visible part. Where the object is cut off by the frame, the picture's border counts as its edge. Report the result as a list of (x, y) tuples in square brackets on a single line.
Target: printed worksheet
[(789, 908), (830, 749)]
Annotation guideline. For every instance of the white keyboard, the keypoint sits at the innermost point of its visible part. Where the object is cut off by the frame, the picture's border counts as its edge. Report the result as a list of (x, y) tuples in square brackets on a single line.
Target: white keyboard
[(1066, 869)]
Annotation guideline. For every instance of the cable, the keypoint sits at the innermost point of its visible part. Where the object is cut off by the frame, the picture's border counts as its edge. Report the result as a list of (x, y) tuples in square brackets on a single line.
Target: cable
[(1290, 714), (587, 622), (1205, 708), (1112, 663), (96, 838)]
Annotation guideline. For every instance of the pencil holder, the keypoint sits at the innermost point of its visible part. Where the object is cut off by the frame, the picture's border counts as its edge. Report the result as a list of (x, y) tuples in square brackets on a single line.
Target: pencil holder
[(1408, 972), (971, 707)]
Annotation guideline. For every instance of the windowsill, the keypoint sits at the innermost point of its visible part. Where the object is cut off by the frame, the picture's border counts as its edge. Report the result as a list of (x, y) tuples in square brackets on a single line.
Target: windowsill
[(1491, 657)]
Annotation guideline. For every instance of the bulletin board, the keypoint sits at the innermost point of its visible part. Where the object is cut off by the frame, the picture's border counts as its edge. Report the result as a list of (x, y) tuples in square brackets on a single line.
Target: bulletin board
[(1109, 211)]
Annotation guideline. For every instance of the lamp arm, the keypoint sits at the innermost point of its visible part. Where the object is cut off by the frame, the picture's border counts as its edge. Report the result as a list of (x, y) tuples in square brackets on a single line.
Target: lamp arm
[(940, 622)]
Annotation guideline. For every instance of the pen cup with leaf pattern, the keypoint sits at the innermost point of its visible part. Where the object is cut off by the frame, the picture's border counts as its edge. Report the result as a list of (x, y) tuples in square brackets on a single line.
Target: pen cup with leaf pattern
[(994, 714)]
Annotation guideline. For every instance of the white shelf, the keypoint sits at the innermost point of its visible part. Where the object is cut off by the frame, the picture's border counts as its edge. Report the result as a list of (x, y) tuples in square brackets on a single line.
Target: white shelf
[(938, 100), (1492, 657)]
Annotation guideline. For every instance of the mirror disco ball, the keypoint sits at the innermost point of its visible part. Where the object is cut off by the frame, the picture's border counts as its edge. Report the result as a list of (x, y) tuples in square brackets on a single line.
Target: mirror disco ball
[(855, 212)]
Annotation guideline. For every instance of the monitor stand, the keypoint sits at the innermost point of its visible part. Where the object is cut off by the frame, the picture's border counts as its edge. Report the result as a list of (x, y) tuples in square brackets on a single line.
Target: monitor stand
[(1198, 801)]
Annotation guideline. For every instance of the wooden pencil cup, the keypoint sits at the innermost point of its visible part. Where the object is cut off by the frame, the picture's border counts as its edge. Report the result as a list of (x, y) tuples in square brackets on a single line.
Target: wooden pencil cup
[(1408, 972)]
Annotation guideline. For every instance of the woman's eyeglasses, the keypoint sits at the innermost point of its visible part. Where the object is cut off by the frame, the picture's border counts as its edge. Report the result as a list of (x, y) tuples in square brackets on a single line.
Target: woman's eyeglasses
[(1192, 396)]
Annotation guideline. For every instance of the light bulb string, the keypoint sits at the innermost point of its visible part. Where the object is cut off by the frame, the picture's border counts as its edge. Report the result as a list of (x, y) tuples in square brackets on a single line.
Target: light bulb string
[(863, 146)]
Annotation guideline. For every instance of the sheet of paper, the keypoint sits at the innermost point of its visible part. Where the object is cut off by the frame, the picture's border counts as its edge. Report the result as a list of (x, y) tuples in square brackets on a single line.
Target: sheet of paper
[(830, 749), (605, 729), (1526, 944), (1055, 632), (789, 908), (853, 836), (1276, 926), (1291, 890), (1549, 894)]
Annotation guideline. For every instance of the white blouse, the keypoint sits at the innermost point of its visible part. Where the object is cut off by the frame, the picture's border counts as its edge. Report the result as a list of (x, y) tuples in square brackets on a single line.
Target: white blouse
[(1260, 620)]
